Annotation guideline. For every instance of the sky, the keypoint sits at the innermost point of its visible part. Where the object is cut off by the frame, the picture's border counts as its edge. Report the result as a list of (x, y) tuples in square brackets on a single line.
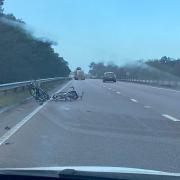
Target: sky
[(119, 31)]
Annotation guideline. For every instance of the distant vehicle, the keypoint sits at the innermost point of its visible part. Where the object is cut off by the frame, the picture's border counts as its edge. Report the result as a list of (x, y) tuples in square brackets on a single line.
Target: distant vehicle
[(93, 77), (79, 74), (109, 76)]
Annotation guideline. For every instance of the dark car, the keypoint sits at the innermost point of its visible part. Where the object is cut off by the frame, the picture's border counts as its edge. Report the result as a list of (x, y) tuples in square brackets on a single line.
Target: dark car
[(109, 76)]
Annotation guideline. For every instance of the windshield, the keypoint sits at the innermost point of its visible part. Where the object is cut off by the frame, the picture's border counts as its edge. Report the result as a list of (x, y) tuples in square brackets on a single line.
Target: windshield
[(90, 83)]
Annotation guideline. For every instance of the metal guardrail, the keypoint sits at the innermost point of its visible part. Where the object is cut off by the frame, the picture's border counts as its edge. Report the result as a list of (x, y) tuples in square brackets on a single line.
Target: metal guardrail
[(168, 83), (8, 86)]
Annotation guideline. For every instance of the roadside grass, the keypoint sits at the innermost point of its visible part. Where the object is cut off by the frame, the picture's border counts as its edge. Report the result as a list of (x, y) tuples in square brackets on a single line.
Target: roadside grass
[(10, 98)]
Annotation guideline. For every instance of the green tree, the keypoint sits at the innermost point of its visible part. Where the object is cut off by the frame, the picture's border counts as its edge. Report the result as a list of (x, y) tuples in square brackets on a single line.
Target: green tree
[(23, 57), (1, 4), (165, 68)]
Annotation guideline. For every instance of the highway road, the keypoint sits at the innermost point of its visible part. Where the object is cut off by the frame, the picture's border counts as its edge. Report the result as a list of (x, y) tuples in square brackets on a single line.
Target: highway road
[(116, 124)]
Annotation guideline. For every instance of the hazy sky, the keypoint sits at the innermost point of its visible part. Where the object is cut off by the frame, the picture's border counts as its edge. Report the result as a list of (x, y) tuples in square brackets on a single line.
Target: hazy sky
[(104, 30)]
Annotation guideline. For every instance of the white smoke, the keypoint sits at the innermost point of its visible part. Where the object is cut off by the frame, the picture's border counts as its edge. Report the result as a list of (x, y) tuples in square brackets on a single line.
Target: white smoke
[(27, 29)]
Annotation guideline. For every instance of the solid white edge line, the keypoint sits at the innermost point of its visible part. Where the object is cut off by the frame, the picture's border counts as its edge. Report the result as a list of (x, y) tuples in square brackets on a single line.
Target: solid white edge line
[(148, 107), (134, 100), (170, 117), (12, 131)]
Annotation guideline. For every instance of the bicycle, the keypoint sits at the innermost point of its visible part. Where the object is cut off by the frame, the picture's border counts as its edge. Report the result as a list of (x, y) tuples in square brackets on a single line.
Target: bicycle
[(38, 93), (70, 95)]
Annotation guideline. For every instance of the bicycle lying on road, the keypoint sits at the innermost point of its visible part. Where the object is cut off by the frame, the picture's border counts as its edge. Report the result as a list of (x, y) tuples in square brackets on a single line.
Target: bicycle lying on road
[(38, 93), (69, 95)]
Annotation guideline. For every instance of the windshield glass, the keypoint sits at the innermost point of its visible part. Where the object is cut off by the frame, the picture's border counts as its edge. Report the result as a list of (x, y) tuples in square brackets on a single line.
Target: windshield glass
[(109, 73), (90, 83)]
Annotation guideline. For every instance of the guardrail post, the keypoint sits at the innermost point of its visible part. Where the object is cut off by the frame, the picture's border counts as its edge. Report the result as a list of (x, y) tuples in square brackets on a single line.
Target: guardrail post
[(15, 90), (23, 88), (5, 92)]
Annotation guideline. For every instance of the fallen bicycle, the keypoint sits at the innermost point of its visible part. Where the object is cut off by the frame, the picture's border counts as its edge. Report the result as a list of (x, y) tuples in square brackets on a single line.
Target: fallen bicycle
[(69, 95), (38, 93)]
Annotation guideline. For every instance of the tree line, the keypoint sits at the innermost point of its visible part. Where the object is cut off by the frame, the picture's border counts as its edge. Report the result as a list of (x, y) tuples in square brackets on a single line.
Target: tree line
[(23, 57), (159, 69)]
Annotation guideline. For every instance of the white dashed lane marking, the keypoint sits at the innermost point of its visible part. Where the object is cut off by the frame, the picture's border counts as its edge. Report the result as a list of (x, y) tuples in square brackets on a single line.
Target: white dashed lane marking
[(118, 92), (170, 117), (148, 107), (134, 100)]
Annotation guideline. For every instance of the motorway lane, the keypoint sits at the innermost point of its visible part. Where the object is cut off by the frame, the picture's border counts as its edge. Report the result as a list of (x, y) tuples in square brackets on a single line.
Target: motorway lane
[(165, 101), (104, 129)]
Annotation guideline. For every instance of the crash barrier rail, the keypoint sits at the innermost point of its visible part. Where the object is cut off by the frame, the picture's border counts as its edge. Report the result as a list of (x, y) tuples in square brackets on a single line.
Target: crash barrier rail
[(23, 84), (168, 83)]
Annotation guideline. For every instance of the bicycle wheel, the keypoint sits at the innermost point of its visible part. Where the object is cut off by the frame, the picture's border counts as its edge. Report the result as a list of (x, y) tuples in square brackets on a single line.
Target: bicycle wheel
[(73, 95), (46, 95), (43, 94), (32, 91)]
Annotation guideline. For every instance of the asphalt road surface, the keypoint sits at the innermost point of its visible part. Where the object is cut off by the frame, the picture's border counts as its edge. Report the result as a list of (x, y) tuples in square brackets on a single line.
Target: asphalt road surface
[(115, 124)]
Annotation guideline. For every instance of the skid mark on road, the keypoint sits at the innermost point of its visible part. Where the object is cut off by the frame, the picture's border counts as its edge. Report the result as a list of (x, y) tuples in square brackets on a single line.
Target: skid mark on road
[(7, 135), (170, 117), (108, 133)]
